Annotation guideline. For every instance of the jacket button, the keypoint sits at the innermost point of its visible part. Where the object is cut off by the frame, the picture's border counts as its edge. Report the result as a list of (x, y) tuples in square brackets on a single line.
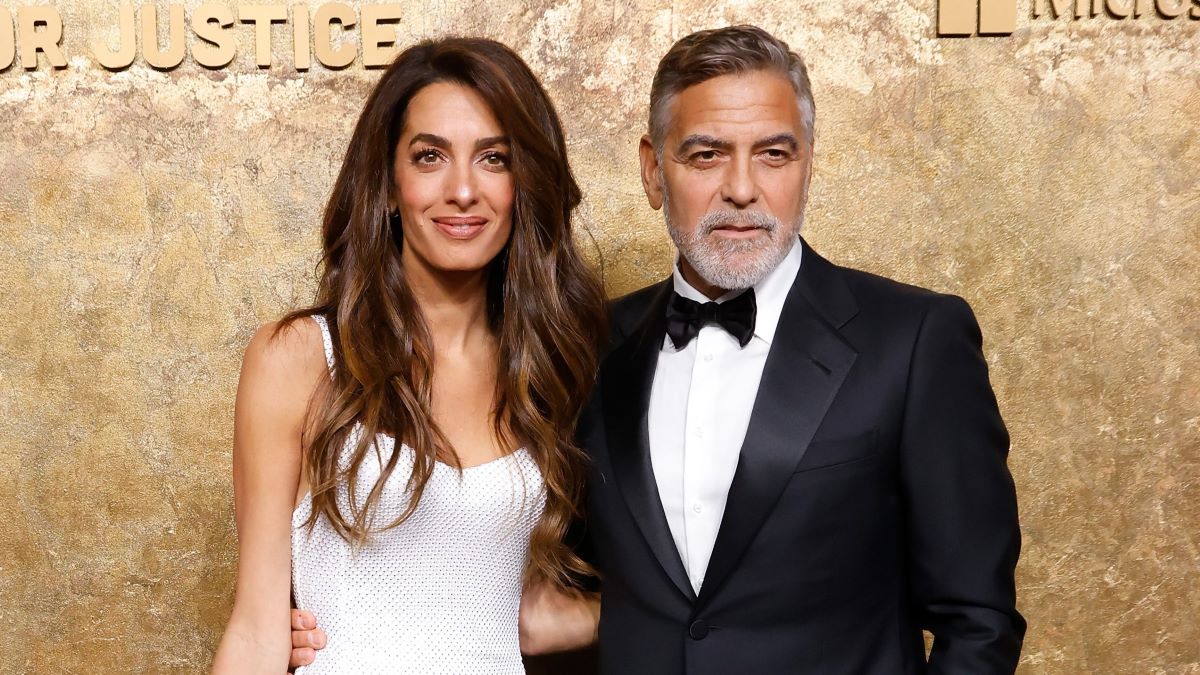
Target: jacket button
[(698, 630)]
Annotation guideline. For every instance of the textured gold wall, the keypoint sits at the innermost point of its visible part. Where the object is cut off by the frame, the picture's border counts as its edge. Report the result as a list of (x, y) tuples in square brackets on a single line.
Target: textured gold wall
[(151, 220)]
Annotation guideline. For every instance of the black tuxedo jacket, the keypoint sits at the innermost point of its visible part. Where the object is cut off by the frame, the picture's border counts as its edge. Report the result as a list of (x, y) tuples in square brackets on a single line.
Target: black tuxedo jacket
[(871, 500)]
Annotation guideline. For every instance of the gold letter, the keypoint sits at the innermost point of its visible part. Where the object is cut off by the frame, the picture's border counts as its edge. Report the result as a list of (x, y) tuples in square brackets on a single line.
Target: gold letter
[(8, 39), (262, 16), (1116, 10), (323, 41), (1170, 12), (997, 17), (163, 59), (47, 40), (300, 37), (956, 17), (216, 48), (379, 44), (126, 43), (1057, 7)]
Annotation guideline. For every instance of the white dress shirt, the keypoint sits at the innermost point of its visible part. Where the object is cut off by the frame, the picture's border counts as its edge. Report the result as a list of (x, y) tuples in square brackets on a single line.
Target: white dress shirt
[(700, 406)]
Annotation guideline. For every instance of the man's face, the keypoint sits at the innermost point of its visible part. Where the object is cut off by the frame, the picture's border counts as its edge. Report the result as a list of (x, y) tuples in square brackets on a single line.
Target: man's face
[(733, 178)]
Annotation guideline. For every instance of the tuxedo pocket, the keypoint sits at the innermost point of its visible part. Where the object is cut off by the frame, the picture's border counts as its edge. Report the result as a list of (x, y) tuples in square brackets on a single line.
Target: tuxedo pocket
[(827, 453)]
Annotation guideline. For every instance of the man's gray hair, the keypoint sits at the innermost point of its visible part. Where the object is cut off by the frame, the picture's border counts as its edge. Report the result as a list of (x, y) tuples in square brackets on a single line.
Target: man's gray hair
[(735, 50)]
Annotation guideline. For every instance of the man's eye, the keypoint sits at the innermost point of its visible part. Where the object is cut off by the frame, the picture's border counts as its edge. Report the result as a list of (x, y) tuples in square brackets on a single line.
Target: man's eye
[(704, 156), (776, 154)]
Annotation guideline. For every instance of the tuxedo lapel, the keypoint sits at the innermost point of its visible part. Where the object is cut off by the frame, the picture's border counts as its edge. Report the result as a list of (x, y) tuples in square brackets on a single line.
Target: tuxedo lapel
[(625, 385), (805, 368)]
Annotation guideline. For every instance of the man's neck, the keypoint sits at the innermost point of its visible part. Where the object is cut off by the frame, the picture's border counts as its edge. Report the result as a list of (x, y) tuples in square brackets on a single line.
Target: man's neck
[(697, 282)]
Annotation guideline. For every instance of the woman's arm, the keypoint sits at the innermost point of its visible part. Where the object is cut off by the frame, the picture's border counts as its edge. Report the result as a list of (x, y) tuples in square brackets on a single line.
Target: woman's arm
[(556, 620), (279, 374)]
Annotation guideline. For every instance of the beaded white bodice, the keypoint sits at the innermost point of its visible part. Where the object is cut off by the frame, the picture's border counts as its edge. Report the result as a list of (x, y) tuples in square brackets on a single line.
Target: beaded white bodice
[(437, 594)]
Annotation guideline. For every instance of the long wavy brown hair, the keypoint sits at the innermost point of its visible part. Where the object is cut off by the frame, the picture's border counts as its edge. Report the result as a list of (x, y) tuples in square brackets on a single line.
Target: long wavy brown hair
[(545, 307)]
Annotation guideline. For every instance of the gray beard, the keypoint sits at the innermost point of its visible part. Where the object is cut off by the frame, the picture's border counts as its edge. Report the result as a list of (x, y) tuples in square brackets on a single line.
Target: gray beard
[(733, 264)]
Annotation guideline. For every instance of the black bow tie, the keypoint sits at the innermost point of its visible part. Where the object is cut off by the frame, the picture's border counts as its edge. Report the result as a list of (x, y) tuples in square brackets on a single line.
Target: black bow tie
[(686, 317)]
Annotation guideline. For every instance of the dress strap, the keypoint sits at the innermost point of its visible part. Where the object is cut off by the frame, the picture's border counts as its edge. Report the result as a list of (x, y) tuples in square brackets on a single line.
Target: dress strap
[(326, 338)]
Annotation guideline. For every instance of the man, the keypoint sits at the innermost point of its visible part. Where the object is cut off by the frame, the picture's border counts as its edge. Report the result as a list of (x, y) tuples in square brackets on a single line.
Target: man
[(796, 467)]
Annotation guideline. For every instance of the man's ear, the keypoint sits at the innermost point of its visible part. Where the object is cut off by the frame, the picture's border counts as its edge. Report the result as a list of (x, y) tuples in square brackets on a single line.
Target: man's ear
[(650, 173), (808, 172)]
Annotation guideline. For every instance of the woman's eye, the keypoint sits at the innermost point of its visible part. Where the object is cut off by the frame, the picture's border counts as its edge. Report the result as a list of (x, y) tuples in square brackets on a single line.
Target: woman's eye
[(425, 157), (496, 159)]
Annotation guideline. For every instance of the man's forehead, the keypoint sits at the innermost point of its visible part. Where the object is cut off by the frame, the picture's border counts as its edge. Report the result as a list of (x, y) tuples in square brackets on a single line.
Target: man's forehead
[(742, 106)]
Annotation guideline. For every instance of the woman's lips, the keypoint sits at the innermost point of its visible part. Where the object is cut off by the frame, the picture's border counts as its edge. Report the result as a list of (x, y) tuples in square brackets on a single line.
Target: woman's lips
[(460, 227)]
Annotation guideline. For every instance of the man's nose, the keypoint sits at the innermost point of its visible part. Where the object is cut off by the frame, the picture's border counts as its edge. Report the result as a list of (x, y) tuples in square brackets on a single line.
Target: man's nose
[(461, 187), (739, 188)]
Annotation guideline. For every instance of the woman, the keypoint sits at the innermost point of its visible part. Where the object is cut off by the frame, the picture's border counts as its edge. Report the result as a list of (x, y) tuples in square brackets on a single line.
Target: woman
[(406, 443)]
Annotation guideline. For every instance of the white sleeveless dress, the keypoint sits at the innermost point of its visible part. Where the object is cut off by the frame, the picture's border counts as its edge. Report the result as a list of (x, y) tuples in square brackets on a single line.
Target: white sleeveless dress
[(437, 595)]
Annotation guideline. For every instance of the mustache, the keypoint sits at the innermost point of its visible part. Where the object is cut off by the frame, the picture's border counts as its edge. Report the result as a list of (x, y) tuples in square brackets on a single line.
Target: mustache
[(756, 219)]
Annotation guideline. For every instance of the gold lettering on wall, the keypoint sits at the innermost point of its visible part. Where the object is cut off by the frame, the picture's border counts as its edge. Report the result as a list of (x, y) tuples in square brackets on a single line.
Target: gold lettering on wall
[(215, 48), (1171, 9), (1118, 9), (997, 17), (327, 54), (1057, 8), (8, 39), (26, 31), (45, 41), (300, 40), (162, 42), (378, 40), (956, 17), (163, 58), (262, 16), (126, 42)]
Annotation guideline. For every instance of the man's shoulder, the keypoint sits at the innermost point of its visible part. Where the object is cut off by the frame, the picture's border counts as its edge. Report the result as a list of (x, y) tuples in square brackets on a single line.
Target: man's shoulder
[(877, 294), (627, 311), (869, 286)]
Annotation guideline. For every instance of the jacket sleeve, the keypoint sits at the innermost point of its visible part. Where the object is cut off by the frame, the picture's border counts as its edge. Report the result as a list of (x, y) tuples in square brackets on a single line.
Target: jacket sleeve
[(959, 500)]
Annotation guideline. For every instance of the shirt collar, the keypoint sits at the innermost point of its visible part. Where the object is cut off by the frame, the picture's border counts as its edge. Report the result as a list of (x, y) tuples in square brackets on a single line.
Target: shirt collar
[(769, 294)]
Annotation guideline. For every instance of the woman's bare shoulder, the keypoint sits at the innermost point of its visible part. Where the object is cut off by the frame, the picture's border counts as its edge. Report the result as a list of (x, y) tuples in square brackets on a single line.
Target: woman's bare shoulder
[(288, 357)]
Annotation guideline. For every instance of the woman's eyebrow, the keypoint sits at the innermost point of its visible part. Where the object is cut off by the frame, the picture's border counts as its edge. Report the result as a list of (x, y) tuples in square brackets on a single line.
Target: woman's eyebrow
[(490, 141), (432, 139)]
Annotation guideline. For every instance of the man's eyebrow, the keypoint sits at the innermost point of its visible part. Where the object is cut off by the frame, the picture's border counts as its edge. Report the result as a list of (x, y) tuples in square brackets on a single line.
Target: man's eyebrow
[(432, 139), (490, 141), (779, 139), (704, 141)]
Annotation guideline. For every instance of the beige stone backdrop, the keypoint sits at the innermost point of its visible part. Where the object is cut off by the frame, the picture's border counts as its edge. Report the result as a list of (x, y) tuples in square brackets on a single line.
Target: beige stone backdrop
[(151, 220)]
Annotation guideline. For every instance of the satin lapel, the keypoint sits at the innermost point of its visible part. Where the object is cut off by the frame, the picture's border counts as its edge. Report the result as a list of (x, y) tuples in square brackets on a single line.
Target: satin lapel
[(805, 368), (627, 379)]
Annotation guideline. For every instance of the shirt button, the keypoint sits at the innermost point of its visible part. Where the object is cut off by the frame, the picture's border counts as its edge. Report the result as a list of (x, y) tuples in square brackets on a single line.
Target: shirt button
[(708, 358), (699, 432), (697, 507)]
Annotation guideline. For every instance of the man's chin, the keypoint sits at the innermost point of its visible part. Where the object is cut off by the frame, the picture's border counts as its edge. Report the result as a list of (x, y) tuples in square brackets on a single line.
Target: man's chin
[(731, 269)]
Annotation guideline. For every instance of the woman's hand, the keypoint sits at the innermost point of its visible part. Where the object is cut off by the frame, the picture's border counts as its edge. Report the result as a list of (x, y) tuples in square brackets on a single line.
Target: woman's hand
[(554, 619), (307, 639)]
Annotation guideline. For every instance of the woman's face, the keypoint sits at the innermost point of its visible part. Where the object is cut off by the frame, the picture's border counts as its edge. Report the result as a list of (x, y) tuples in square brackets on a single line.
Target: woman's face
[(452, 182)]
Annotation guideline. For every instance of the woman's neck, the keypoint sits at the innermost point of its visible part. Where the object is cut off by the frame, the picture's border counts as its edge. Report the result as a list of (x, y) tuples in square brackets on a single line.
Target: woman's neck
[(454, 305)]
